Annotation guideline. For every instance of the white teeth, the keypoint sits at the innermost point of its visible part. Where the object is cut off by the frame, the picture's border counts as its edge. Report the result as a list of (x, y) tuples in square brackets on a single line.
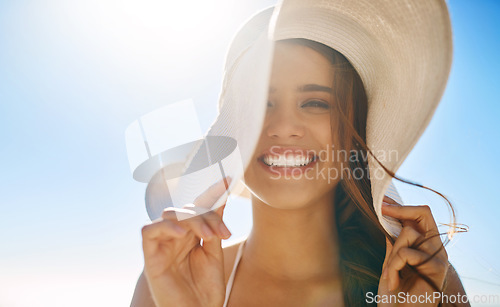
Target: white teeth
[(287, 161)]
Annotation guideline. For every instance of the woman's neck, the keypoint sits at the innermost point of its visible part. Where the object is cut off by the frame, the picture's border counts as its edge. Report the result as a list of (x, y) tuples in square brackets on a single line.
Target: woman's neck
[(295, 244)]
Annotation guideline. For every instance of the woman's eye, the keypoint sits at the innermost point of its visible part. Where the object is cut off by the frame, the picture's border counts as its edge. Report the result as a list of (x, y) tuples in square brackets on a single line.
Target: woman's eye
[(316, 104)]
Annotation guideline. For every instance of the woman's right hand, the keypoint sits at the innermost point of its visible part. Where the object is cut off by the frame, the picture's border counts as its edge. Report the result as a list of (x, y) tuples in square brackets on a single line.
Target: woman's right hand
[(179, 270)]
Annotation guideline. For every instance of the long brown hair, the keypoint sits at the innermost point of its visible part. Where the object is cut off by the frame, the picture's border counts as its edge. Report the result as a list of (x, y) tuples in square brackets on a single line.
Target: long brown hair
[(362, 239)]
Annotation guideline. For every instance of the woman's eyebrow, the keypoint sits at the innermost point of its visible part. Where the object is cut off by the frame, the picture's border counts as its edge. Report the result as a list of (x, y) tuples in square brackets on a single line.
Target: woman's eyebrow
[(314, 88), (308, 88)]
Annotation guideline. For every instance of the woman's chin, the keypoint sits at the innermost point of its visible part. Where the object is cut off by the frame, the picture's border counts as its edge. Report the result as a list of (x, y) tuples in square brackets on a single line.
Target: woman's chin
[(286, 197)]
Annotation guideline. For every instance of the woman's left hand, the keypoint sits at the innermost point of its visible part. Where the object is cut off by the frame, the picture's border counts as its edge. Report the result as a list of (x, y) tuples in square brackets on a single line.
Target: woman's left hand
[(418, 224)]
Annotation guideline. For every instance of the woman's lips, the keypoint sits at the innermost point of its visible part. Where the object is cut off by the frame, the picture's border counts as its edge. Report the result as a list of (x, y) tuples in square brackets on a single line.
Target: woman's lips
[(280, 155), (287, 150), (287, 171)]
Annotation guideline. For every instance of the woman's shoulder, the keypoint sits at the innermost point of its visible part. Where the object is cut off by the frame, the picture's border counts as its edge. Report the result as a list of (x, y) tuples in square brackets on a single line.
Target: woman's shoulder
[(453, 285)]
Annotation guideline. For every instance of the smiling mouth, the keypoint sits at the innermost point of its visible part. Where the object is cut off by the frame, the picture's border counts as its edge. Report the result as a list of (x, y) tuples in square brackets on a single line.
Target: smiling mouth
[(286, 161)]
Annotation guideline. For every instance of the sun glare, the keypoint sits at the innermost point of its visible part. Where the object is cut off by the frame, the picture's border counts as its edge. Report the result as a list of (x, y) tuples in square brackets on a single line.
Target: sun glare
[(136, 25)]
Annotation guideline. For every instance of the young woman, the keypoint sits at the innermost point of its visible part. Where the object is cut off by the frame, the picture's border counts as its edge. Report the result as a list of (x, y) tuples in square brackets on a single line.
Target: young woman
[(316, 240)]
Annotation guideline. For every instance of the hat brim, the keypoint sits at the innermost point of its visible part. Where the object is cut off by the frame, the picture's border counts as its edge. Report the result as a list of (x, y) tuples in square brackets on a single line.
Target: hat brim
[(401, 52)]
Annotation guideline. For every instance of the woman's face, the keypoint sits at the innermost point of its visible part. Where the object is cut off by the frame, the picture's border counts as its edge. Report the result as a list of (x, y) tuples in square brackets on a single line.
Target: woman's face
[(292, 165)]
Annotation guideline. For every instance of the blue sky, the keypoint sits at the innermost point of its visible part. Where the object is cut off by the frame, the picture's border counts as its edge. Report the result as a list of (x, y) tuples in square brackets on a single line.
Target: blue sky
[(74, 74)]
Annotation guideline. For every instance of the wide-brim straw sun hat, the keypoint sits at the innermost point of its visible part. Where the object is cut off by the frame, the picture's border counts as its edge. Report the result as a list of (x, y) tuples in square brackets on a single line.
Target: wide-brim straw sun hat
[(401, 49)]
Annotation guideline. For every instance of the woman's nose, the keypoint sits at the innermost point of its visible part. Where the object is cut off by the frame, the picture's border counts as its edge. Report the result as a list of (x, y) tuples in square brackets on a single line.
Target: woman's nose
[(284, 122)]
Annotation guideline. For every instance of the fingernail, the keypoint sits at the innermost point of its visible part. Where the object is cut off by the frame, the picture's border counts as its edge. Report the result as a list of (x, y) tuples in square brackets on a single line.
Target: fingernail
[(220, 210), (391, 285), (227, 181), (224, 231), (384, 274), (207, 232)]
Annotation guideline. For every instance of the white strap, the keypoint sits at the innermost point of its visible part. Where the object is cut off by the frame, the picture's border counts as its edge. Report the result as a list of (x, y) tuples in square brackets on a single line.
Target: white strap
[(229, 285)]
